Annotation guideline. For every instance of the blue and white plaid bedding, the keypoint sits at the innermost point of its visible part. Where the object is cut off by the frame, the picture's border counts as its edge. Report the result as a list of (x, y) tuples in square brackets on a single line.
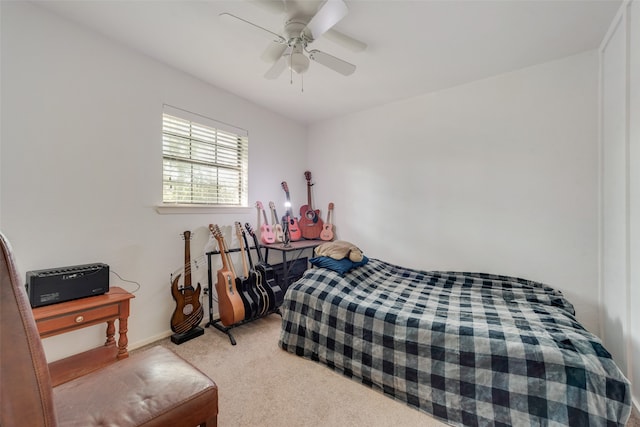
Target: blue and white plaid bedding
[(468, 348)]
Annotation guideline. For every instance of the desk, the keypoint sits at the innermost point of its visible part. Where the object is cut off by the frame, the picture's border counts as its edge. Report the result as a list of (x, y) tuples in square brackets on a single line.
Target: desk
[(296, 249), (68, 316)]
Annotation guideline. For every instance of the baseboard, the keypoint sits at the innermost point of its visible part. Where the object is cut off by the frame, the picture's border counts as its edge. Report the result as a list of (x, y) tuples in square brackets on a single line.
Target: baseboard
[(145, 342), (161, 336)]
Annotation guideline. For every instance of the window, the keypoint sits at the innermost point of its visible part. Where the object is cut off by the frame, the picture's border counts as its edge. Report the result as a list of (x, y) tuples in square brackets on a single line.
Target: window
[(204, 162)]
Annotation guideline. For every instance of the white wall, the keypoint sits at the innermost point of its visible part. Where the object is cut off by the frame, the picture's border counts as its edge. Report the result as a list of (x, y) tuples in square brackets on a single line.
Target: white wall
[(620, 189), (499, 175), (81, 163)]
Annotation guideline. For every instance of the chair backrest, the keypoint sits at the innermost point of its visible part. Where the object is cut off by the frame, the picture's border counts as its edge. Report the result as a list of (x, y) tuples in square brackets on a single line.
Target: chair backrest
[(26, 396)]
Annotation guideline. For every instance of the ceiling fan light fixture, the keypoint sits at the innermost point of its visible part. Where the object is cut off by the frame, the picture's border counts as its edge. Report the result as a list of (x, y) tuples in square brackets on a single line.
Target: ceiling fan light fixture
[(298, 62)]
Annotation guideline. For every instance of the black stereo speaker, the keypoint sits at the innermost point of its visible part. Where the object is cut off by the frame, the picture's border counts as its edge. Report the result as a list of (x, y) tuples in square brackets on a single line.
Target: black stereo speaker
[(61, 284)]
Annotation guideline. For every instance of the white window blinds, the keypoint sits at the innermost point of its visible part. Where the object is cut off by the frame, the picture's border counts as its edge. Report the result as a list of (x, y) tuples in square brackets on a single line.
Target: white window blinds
[(203, 162)]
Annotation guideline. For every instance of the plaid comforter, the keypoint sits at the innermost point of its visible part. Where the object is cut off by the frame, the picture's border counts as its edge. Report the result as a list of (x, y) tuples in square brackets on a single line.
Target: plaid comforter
[(468, 348)]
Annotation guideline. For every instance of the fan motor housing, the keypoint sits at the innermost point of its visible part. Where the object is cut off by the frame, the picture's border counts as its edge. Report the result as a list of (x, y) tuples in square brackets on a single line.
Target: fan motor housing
[(297, 29)]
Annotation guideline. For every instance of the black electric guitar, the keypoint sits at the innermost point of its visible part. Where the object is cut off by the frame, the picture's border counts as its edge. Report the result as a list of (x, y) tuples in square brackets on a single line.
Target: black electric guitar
[(276, 296), (263, 296), (188, 313), (249, 291)]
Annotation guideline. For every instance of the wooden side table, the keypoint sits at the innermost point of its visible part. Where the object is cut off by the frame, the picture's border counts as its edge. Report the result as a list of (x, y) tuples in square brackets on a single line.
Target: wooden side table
[(68, 316)]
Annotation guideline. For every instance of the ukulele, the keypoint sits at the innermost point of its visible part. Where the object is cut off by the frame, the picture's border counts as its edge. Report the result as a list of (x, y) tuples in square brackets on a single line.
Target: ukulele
[(292, 223), (277, 227), (263, 296), (229, 301), (276, 296), (188, 312), (266, 233), (248, 285), (310, 222), (327, 229)]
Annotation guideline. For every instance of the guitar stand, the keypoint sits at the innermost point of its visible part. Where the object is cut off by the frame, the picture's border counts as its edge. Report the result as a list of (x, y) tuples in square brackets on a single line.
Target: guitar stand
[(226, 329), (216, 323)]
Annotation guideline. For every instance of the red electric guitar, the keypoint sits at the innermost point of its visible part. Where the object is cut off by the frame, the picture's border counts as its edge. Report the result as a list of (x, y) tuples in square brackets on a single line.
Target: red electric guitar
[(292, 223), (327, 230), (310, 222), (266, 233)]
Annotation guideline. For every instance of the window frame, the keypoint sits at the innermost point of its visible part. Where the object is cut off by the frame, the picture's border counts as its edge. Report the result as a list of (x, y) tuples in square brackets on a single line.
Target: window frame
[(185, 144)]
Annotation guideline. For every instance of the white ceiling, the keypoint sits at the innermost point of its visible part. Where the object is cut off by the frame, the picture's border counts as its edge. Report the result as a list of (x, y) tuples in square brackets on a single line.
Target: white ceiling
[(414, 47)]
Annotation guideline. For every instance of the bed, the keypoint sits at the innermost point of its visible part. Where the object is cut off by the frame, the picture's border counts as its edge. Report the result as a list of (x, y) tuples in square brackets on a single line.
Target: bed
[(467, 348)]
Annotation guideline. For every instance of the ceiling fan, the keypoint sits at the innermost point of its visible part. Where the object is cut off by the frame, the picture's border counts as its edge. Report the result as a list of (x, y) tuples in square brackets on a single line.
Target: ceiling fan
[(301, 28)]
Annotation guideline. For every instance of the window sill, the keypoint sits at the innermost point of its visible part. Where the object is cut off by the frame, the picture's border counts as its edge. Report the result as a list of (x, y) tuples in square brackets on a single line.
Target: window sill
[(194, 209)]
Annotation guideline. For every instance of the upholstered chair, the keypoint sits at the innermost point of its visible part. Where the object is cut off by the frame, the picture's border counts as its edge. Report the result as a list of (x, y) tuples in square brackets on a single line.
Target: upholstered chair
[(150, 388)]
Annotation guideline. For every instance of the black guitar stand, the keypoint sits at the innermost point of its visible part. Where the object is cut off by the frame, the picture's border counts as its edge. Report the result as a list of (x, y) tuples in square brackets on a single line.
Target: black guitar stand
[(227, 329), (216, 322)]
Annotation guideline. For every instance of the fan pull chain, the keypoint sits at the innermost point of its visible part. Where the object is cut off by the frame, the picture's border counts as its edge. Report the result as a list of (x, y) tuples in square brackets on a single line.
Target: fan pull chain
[(302, 83)]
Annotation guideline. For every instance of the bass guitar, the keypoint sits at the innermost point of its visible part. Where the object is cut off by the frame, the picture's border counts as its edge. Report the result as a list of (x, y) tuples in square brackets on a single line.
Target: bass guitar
[(253, 301), (276, 296), (263, 296), (188, 313), (266, 233), (278, 231), (327, 229), (230, 303), (310, 222), (292, 223)]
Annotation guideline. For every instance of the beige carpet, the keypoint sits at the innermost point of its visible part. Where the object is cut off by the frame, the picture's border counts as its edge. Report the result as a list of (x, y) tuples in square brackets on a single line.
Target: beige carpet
[(261, 384)]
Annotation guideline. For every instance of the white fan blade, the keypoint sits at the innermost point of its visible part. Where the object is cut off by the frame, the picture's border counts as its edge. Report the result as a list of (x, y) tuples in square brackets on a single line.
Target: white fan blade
[(235, 19), (273, 52), (329, 15), (345, 41), (330, 61), (278, 67)]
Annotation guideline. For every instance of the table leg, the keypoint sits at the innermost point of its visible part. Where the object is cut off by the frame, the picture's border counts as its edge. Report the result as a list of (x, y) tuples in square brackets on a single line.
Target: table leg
[(123, 341), (111, 331)]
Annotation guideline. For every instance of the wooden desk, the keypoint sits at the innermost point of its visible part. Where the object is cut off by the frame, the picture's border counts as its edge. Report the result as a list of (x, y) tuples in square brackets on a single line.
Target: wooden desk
[(68, 316)]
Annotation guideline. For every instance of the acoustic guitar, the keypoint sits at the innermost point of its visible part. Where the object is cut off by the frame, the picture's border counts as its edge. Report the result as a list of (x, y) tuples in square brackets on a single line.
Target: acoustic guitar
[(276, 296), (310, 222), (188, 312), (327, 229), (263, 296), (266, 233), (243, 286), (230, 303), (293, 228), (251, 298), (278, 231)]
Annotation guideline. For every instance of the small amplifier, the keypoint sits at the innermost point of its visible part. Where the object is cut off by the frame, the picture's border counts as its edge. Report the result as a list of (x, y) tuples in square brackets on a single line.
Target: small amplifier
[(61, 284)]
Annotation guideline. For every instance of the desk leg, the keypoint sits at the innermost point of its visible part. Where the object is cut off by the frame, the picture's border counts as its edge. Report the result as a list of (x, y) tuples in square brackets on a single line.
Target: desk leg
[(123, 341), (285, 272)]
